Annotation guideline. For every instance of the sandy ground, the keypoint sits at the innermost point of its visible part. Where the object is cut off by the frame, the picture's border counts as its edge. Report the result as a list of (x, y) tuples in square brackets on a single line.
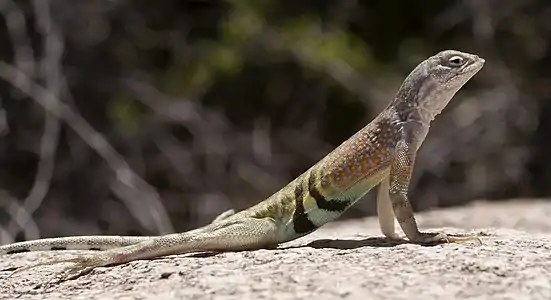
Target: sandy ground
[(344, 260)]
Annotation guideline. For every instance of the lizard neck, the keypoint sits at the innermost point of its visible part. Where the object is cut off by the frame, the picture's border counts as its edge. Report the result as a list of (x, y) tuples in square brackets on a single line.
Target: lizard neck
[(421, 98)]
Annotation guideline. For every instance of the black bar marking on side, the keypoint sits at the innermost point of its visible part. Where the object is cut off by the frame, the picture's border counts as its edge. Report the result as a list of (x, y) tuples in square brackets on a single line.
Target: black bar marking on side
[(329, 205), (301, 222), (58, 248), (18, 251)]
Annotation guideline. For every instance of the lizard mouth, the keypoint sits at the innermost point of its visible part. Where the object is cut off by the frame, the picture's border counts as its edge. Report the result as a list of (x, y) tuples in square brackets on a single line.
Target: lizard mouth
[(474, 66), (470, 69)]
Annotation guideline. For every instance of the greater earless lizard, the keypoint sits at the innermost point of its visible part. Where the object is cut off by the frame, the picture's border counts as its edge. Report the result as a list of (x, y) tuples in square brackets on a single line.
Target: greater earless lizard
[(383, 152)]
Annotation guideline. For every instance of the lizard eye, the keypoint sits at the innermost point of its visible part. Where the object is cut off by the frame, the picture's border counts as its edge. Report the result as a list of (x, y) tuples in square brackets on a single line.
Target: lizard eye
[(456, 61)]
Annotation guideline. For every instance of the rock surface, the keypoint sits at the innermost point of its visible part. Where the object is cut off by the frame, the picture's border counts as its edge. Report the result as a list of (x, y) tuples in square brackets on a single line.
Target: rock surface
[(344, 260)]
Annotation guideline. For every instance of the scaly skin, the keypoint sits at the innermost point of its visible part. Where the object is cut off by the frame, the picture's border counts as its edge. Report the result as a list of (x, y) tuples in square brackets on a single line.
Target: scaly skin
[(383, 152)]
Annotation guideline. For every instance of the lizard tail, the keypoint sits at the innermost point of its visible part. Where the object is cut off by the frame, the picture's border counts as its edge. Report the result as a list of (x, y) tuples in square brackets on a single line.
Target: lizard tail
[(100, 243)]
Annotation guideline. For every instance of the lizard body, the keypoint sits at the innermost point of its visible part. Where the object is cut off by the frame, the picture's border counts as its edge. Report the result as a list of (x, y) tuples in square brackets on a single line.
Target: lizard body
[(383, 152)]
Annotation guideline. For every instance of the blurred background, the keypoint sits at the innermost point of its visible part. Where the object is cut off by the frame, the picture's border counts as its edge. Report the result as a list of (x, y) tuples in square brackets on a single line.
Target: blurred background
[(147, 117)]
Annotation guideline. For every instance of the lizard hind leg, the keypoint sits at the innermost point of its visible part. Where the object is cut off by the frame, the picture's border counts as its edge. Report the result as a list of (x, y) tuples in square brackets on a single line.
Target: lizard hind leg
[(225, 235), (228, 213), (69, 272)]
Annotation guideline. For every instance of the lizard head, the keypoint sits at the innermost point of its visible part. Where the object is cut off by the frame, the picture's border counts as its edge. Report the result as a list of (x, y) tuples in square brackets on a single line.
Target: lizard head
[(431, 85), (452, 69)]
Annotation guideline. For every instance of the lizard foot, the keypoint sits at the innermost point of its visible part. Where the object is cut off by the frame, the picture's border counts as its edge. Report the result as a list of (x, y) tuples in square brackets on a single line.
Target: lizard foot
[(80, 265), (438, 237)]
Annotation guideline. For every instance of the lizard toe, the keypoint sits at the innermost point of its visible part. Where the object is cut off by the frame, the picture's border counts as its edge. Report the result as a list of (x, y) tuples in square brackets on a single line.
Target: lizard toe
[(81, 265), (464, 239), (439, 237)]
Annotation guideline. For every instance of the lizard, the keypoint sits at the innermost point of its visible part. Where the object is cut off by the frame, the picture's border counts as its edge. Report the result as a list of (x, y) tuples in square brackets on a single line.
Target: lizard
[(381, 153)]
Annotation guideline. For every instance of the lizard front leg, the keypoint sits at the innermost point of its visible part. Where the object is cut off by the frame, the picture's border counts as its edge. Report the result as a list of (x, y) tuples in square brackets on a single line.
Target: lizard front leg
[(400, 176), (385, 211)]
